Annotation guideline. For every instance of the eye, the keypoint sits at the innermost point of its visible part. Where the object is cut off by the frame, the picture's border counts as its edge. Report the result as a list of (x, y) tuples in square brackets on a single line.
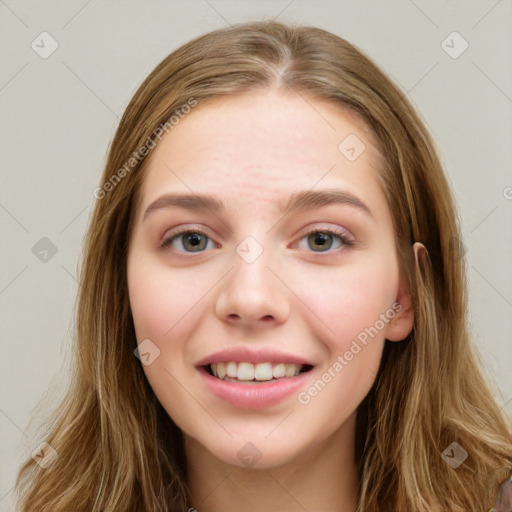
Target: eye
[(319, 240), (186, 239), (322, 240)]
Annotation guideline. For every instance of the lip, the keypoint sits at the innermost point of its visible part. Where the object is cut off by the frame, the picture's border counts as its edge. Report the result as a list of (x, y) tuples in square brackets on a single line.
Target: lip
[(253, 396), (248, 355)]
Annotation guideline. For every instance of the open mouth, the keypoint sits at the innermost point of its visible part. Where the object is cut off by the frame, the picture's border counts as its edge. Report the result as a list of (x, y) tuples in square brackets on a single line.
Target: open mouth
[(244, 372)]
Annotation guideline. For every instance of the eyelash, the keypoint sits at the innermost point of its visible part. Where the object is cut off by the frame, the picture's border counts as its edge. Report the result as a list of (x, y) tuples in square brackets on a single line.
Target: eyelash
[(346, 242)]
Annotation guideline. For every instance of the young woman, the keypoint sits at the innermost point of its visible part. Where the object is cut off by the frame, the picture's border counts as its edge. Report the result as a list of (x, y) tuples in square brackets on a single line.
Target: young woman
[(272, 314)]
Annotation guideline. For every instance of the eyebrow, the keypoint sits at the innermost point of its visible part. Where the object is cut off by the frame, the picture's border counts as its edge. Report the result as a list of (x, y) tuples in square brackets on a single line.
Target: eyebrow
[(298, 202)]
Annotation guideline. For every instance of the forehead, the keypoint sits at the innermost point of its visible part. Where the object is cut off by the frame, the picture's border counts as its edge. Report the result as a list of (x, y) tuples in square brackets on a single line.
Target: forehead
[(262, 145)]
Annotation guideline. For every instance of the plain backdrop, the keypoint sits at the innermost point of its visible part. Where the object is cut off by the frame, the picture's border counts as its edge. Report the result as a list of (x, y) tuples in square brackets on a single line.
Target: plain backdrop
[(59, 112)]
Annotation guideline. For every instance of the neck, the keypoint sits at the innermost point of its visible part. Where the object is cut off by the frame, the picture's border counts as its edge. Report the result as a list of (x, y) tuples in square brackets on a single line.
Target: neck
[(323, 478)]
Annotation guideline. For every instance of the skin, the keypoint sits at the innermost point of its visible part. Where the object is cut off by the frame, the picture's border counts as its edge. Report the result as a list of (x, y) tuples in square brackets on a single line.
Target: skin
[(252, 152)]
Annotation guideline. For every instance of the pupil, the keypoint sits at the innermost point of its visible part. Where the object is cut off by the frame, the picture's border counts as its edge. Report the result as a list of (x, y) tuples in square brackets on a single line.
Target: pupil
[(321, 240), (194, 240)]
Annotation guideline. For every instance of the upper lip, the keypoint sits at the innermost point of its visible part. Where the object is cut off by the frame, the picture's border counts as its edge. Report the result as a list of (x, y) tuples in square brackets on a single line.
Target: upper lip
[(254, 356)]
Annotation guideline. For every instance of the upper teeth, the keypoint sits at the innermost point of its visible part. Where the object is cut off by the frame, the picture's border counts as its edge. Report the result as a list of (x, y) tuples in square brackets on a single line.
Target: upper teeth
[(260, 371)]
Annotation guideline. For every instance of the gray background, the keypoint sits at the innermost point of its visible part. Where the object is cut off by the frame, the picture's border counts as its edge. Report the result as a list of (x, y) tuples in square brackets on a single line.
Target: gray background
[(59, 114)]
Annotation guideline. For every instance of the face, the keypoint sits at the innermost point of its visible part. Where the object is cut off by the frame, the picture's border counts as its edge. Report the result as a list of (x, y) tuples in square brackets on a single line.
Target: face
[(277, 272)]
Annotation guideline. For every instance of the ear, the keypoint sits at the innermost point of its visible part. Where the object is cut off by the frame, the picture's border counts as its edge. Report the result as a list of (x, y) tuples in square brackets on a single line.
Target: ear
[(401, 325)]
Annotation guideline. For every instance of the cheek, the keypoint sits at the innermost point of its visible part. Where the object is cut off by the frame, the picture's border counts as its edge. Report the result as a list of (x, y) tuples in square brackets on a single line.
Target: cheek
[(351, 300), (350, 306), (165, 307), (161, 301)]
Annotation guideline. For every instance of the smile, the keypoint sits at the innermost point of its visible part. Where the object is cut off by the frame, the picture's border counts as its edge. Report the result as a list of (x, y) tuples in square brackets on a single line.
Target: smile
[(253, 393), (253, 373)]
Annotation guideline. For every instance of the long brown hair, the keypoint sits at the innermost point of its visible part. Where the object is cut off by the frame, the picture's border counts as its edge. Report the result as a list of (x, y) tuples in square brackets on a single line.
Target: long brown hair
[(118, 450)]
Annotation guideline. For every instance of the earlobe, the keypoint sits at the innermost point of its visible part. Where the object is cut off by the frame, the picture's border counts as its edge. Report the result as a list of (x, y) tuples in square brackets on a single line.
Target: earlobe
[(401, 325)]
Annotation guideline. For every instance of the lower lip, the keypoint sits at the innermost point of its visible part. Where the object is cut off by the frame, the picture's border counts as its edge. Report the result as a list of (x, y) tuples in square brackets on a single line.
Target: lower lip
[(254, 396)]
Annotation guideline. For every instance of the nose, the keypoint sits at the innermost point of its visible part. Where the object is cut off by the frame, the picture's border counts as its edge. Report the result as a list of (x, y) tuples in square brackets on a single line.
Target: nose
[(253, 293)]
